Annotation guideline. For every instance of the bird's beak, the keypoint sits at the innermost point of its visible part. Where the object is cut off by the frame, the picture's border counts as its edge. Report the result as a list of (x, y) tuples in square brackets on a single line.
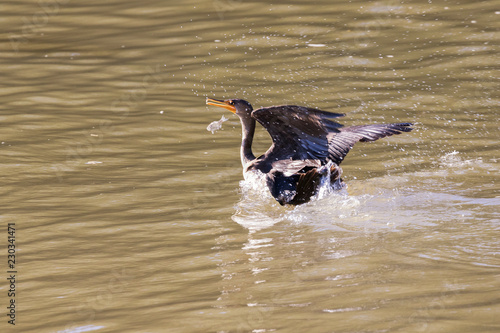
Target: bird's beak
[(222, 104)]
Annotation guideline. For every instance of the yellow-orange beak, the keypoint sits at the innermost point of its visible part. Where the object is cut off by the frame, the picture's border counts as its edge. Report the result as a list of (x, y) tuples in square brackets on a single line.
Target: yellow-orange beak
[(222, 104)]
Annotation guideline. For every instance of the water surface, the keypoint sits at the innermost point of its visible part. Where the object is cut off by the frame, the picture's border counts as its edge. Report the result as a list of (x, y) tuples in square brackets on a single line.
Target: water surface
[(132, 217)]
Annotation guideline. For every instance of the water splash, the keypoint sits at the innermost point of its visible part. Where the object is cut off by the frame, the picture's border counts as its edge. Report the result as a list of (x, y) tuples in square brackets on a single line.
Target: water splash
[(420, 198), (453, 160), (257, 209)]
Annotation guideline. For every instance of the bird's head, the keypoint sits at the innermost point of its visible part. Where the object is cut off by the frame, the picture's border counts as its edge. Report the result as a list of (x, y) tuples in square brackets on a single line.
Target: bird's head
[(239, 107)]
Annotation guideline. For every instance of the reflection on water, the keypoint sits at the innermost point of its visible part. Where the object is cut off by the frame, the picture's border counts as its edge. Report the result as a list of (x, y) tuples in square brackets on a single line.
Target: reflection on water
[(132, 217)]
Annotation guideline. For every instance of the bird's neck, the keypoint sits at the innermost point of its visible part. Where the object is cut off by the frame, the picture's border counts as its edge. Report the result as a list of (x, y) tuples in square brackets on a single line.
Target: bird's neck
[(248, 131)]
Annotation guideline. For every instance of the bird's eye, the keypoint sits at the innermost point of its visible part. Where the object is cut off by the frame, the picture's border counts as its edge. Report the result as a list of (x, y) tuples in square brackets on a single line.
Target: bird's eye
[(231, 102)]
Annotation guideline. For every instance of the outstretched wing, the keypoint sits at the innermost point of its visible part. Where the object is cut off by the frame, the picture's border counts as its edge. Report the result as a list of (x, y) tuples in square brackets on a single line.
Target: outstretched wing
[(298, 132), (340, 143), (301, 133)]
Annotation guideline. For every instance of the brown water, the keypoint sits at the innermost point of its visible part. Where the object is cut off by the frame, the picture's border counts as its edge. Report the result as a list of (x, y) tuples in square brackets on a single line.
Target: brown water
[(130, 216)]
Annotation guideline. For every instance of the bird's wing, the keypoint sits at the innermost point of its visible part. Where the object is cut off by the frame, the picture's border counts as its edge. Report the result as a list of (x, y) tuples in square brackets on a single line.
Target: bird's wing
[(340, 143), (301, 133), (290, 167), (298, 132)]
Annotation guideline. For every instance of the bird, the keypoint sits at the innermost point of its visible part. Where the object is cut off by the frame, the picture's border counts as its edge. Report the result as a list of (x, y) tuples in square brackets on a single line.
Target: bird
[(307, 146)]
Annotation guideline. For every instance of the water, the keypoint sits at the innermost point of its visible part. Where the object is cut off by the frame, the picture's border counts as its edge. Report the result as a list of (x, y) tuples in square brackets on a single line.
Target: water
[(131, 217)]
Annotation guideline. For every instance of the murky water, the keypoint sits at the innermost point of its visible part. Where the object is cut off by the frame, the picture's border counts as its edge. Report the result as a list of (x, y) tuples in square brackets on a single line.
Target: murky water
[(131, 217)]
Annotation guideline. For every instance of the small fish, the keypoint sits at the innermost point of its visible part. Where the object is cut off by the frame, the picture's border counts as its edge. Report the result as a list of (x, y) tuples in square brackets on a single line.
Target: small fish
[(216, 125)]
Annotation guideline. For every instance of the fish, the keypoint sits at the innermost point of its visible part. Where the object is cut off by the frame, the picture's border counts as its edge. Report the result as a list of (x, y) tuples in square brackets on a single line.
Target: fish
[(216, 125)]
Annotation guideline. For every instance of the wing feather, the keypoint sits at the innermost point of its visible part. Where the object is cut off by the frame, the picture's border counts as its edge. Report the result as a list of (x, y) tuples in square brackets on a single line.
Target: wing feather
[(340, 143), (298, 132), (302, 133)]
